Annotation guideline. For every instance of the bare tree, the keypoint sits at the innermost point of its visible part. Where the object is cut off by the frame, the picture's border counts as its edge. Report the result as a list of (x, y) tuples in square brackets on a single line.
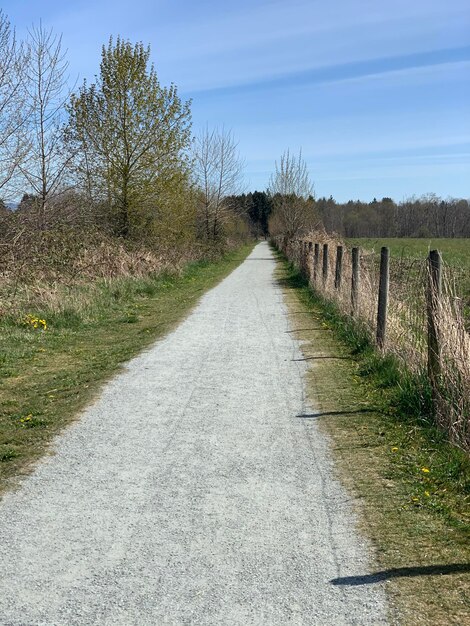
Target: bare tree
[(218, 171), (292, 194), (13, 113), (46, 166)]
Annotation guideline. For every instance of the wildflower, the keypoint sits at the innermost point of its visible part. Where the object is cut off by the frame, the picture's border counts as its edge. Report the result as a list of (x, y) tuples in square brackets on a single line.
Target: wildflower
[(35, 322), (425, 470), (394, 449), (427, 494)]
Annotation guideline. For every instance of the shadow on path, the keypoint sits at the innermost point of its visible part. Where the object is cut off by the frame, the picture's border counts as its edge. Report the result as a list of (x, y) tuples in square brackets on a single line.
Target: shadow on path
[(427, 570), (299, 330), (313, 358), (327, 413)]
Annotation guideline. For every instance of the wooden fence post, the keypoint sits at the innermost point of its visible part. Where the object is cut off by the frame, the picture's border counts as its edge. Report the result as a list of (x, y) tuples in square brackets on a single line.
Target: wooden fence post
[(339, 267), (355, 277), (433, 292), (309, 254), (325, 264), (383, 297), (316, 261)]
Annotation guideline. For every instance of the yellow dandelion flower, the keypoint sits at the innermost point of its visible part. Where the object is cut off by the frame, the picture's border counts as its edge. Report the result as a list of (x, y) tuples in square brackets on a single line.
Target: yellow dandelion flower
[(394, 449), (425, 470)]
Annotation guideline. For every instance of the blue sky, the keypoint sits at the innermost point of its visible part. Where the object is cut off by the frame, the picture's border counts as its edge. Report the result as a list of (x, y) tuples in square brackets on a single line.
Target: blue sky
[(375, 93)]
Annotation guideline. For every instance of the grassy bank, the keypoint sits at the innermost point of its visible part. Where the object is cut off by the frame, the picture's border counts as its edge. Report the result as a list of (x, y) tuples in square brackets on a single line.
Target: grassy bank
[(454, 251), (53, 361), (412, 487)]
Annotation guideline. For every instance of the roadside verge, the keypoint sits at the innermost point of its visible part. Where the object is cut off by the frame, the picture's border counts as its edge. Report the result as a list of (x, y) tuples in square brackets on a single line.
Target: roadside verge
[(411, 496), (49, 371)]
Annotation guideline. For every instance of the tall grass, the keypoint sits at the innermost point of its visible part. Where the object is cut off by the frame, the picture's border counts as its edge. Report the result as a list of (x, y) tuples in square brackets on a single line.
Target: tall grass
[(406, 340), (65, 273)]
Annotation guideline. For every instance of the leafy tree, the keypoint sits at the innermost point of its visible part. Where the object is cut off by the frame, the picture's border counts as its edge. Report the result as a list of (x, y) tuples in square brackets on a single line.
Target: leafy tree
[(261, 209), (257, 206), (132, 135)]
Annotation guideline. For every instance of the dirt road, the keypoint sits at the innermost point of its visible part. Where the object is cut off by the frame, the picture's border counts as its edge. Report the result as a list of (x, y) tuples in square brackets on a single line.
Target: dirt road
[(193, 491)]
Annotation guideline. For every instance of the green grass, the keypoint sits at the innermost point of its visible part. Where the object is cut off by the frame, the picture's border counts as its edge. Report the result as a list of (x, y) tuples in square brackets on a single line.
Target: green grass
[(455, 252), (47, 377), (455, 255), (383, 441)]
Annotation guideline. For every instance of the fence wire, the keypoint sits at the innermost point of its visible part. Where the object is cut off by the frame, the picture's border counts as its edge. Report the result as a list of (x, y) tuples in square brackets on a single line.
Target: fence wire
[(407, 320)]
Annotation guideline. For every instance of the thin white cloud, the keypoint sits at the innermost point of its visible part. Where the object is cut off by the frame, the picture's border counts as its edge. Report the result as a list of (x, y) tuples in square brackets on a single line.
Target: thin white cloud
[(227, 49), (424, 74)]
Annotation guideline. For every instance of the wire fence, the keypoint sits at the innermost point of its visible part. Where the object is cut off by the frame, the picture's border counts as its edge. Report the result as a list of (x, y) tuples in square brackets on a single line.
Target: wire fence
[(411, 308)]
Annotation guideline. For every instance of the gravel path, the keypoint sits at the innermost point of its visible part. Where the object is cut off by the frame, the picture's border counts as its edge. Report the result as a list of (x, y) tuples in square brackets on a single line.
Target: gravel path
[(192, 492)]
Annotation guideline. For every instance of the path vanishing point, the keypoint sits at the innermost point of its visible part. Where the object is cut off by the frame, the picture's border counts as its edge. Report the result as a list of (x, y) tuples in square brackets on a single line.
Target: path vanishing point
[(192, 491)]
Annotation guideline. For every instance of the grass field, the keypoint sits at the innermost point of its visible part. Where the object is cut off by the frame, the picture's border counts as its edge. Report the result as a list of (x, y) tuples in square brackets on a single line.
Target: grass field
[(52, 368), (455, 256), (455, 252)]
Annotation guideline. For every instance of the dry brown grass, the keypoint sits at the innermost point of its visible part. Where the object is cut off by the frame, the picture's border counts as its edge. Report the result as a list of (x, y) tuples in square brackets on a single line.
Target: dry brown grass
[(66, 268), (406, 321), (423, 555)]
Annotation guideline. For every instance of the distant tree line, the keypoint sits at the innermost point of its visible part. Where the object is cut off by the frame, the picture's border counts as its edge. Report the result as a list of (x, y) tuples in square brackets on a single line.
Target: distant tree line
[(426, 216), (287, 207), (291, 215), (257, 207), (291, 209)]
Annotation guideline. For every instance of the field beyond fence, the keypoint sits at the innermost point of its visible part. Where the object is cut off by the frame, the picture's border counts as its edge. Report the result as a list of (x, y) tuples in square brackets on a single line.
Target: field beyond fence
[(413, 308)]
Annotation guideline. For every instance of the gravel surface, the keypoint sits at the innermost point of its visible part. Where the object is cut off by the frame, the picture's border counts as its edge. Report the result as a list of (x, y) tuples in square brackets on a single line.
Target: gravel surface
[(192, 492)]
